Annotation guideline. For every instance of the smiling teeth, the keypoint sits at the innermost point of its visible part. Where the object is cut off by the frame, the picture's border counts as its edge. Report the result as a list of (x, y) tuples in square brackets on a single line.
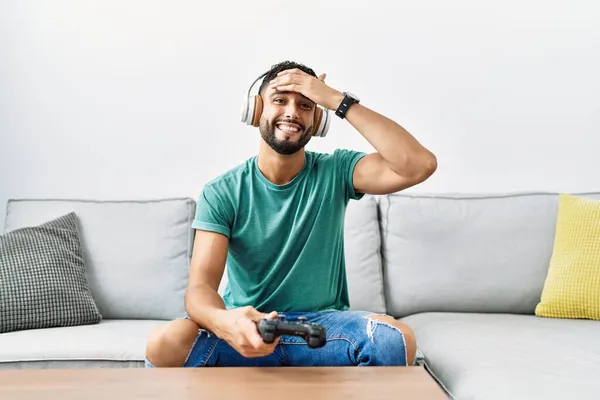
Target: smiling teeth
[(288, 128)]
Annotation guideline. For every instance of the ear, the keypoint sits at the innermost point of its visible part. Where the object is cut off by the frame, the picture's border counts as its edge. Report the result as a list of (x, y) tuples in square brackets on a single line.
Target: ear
[(322, 77)]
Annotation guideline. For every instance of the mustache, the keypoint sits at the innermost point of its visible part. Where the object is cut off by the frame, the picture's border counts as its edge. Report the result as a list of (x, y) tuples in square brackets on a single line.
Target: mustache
[(289, 121)]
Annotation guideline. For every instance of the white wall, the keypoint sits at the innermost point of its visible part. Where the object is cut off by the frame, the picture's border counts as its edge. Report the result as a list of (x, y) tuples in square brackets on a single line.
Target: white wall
[(141, 99)]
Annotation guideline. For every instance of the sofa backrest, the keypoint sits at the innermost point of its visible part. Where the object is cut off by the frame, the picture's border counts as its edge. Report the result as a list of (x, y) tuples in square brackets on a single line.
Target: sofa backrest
[(467, 253), (137, 253), (405, 253)]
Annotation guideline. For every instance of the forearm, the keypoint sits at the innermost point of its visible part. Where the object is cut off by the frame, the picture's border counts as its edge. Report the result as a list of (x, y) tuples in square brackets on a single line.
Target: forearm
[(404, 154), (205, 307)]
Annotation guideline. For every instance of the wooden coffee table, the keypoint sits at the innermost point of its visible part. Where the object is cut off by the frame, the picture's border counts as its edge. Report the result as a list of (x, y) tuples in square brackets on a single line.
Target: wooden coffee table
[(286, 383)]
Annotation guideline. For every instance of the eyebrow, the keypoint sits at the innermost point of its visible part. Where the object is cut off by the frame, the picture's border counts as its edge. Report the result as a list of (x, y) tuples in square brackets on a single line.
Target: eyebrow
[(277, 93)]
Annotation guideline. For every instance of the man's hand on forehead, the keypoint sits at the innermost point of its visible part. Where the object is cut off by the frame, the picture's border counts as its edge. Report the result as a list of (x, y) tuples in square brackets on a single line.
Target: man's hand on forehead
[(296, 80)]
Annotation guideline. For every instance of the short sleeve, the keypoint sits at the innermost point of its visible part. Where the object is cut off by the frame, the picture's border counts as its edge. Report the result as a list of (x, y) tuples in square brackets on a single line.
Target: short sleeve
[(212, 214), (347, 160)]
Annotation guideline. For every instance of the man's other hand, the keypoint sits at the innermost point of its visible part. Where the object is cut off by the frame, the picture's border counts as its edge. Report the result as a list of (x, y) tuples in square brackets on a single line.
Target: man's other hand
[(239, 328)]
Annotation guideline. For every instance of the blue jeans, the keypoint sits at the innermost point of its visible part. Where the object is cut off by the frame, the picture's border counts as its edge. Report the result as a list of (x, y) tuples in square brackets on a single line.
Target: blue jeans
[(352, 339)]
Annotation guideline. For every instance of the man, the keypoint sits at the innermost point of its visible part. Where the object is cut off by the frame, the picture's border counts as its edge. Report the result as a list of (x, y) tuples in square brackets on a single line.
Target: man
[(277, 221)]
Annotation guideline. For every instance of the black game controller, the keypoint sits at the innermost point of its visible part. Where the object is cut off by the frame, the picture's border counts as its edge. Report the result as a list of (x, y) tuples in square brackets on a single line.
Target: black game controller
[(313, 334)]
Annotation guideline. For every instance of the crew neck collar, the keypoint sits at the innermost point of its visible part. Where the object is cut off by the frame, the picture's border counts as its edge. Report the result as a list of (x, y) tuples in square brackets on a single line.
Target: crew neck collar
[(293, 182)]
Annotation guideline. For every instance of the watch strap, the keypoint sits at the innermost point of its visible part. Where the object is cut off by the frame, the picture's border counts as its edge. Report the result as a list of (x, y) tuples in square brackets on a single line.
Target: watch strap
[(344, 106)]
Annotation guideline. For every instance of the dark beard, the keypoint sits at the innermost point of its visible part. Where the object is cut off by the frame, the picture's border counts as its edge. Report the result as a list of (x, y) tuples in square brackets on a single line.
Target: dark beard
[(285, 147)]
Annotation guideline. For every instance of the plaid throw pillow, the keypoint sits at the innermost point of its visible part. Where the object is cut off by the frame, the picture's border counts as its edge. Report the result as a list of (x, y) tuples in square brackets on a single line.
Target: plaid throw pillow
[(42, 278)]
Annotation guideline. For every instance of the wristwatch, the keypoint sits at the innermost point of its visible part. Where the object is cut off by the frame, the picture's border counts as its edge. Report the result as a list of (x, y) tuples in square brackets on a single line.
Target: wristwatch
[(348, 100)]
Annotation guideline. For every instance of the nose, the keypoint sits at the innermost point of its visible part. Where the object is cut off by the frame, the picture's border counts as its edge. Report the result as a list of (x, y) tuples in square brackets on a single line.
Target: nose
[(291, 111)]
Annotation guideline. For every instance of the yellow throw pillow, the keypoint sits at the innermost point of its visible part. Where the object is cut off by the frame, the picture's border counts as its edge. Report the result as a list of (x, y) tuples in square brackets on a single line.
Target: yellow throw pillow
[(572, 287)]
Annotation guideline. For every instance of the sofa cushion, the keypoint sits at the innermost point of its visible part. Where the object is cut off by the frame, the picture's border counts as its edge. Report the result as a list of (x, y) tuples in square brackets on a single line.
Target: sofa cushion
[(462, 253), (572, 287), (501, 356), (362, 246), (111, 343), (136, 252), (42, 278)]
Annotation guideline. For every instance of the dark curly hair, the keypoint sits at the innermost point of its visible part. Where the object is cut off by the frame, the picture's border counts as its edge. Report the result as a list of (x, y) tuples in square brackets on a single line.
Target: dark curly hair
[(282, 66)]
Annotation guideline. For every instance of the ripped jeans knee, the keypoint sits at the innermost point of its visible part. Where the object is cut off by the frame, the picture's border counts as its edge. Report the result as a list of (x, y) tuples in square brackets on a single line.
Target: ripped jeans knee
[(384, 345)]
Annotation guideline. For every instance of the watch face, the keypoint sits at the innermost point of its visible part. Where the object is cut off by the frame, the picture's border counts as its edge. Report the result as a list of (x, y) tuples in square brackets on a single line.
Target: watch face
[(353, 96)]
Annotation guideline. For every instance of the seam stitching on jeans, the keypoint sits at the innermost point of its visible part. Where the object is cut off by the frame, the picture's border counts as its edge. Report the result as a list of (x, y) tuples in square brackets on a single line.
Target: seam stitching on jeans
[(210, 353)]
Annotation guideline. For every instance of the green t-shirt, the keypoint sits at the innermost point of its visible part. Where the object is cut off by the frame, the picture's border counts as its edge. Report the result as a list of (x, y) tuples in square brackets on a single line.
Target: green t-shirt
[(286, 242)]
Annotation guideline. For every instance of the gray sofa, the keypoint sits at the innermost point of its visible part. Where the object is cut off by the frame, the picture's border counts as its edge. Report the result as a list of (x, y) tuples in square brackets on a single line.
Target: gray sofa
[(465, 272)]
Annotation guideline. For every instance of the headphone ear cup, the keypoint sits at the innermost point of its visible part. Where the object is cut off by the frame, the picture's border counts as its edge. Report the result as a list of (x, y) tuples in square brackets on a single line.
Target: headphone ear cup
[(317, 121), (257, 111), (321, 123), (247, 108)]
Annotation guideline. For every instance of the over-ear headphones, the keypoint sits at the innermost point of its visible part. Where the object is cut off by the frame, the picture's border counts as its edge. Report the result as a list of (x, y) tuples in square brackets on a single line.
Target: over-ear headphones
[(253, 106)]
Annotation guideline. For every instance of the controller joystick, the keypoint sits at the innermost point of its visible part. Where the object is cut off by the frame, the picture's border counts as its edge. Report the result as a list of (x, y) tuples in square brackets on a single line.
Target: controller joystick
[(313, 334)]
